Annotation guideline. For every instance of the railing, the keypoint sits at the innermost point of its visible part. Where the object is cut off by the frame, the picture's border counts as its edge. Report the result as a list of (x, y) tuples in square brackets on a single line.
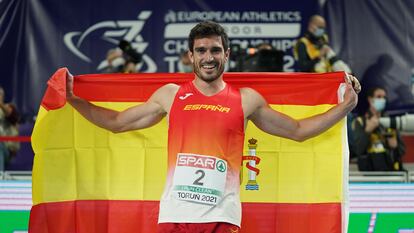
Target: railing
[(411, 176), (15, 175), (391, 177)]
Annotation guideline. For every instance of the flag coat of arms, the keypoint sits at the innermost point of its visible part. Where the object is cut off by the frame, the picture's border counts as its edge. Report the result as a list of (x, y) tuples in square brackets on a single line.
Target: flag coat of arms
[(87, 179)]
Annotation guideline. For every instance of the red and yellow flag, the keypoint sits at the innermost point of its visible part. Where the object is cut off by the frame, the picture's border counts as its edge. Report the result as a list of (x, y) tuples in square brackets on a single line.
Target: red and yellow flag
[(89, 180)]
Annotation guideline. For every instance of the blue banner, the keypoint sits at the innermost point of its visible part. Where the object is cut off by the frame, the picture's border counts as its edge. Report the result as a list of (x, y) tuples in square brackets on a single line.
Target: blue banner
[(40, 36), (376, 38)]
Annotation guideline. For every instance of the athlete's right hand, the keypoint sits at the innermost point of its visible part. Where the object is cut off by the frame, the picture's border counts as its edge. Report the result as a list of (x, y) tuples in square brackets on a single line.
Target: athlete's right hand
[(69, 86)]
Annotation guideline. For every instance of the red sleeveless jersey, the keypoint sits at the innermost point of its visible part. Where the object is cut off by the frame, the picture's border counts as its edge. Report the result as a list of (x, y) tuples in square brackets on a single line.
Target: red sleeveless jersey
[(205, 140)]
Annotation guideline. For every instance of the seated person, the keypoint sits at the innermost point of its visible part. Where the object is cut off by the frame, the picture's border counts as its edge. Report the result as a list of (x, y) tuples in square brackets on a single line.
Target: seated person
[(9, 118), (377, 148)]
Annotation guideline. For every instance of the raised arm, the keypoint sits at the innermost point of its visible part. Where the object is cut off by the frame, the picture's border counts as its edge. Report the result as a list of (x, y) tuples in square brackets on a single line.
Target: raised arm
[(136, 117), (278, 124)]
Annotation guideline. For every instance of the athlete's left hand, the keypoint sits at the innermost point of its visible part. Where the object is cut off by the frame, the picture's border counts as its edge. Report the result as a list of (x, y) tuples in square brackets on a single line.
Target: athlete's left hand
[(355, 83)]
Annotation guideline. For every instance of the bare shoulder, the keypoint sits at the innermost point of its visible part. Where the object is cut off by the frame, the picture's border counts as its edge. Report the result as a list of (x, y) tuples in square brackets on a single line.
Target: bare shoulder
[(164, 96), (168, 89), (165, 92), (247, 91), (250, 95), (251, 101)]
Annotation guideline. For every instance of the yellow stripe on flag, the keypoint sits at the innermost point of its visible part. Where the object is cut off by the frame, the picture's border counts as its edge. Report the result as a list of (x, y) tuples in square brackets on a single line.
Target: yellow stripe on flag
[(293, 172), (90, 163), (87, 162)]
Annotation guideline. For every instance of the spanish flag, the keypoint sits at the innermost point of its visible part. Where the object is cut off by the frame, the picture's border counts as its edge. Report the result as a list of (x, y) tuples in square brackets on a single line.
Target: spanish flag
[(89, 180)]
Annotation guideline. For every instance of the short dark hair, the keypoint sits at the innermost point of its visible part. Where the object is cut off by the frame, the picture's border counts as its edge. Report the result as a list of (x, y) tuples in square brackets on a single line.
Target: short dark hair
[(372, 90), (206, 29)]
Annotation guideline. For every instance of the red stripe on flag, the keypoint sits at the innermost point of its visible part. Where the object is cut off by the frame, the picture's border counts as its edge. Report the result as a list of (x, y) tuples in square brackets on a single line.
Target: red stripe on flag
[(98, 216), (141, 216), (55, 96), (277, 88)]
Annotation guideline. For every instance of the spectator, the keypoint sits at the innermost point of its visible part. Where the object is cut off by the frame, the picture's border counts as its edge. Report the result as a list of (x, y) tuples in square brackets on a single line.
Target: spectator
[(377, 74), (123, 59), (129, 67), (115, 61), (313, 52), (263, 58), (9, 118), (378, 148), (185, 65), (264, 46)]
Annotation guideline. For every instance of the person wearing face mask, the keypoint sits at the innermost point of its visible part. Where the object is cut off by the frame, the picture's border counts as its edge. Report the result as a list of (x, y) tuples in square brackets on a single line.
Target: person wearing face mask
[(377, 148), (312, 51), (185, 65)]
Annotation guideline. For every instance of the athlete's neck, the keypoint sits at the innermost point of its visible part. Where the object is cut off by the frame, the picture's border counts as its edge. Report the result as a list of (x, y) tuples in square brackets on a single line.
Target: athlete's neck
[(209, 88)]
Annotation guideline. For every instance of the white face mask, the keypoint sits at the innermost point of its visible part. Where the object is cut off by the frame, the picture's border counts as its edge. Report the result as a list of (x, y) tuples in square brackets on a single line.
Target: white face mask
[(319, 32), (379, 104), (187, 68)]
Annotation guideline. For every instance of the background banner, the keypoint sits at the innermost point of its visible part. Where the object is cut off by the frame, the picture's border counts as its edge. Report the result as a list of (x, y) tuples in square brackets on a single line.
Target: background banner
[(384, 54), (37, 37)]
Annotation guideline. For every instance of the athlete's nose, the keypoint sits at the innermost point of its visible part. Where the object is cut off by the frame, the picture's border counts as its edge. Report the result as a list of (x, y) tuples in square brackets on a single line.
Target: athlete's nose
[(209, 56)]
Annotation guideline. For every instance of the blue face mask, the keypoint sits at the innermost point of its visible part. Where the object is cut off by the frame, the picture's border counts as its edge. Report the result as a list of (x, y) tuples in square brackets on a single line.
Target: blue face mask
[(379, 104), (319, 32)]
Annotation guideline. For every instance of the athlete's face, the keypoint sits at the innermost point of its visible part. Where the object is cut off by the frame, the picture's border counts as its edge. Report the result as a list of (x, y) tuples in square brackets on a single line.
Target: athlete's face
[(208, 58)]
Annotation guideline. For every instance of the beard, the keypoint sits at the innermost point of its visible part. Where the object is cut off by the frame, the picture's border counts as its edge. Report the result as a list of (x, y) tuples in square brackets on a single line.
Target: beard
[(209, 76)]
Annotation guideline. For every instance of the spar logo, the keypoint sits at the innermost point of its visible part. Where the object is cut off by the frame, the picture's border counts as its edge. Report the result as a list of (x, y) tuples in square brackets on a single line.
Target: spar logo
[(221, 166), (204, 162), (112, 31)]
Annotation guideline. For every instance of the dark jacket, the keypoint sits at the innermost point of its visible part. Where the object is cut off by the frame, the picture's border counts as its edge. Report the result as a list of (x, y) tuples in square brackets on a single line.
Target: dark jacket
[(372, 149)]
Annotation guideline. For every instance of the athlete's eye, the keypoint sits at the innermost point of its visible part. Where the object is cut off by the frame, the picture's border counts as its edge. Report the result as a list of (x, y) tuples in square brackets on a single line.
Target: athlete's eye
[(200, 50), (216, 50)]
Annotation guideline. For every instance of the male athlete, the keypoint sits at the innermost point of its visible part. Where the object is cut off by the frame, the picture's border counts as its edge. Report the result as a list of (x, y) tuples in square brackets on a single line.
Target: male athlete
[(207, 119)]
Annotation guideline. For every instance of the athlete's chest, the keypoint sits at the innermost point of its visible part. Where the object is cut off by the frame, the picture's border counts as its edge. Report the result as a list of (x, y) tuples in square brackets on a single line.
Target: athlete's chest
[(191, 106)]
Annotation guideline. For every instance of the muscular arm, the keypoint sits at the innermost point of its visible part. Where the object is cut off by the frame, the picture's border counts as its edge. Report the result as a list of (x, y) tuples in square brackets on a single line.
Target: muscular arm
[(137, 117), (278, 124)]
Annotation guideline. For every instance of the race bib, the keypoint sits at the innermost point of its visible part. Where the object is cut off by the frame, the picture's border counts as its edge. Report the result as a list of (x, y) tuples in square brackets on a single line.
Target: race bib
[(199, 178)]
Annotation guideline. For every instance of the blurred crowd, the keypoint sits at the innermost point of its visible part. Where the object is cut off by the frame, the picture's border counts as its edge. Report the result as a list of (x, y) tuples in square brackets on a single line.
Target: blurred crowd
[(9, 123)]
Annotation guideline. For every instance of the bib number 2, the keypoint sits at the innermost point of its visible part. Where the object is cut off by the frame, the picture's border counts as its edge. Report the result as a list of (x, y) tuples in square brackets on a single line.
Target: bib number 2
[(199, 178)]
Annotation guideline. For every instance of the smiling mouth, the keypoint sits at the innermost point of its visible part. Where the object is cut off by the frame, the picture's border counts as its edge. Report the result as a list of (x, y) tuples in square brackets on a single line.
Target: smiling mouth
[(208, 66)]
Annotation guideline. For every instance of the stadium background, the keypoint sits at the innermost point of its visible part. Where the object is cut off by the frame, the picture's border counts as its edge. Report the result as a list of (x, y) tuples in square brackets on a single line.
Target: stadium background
[(37, 37)]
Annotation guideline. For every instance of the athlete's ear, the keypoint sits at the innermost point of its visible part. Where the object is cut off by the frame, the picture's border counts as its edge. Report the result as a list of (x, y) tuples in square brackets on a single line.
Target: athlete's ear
[(227, 54), (190, 55)]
